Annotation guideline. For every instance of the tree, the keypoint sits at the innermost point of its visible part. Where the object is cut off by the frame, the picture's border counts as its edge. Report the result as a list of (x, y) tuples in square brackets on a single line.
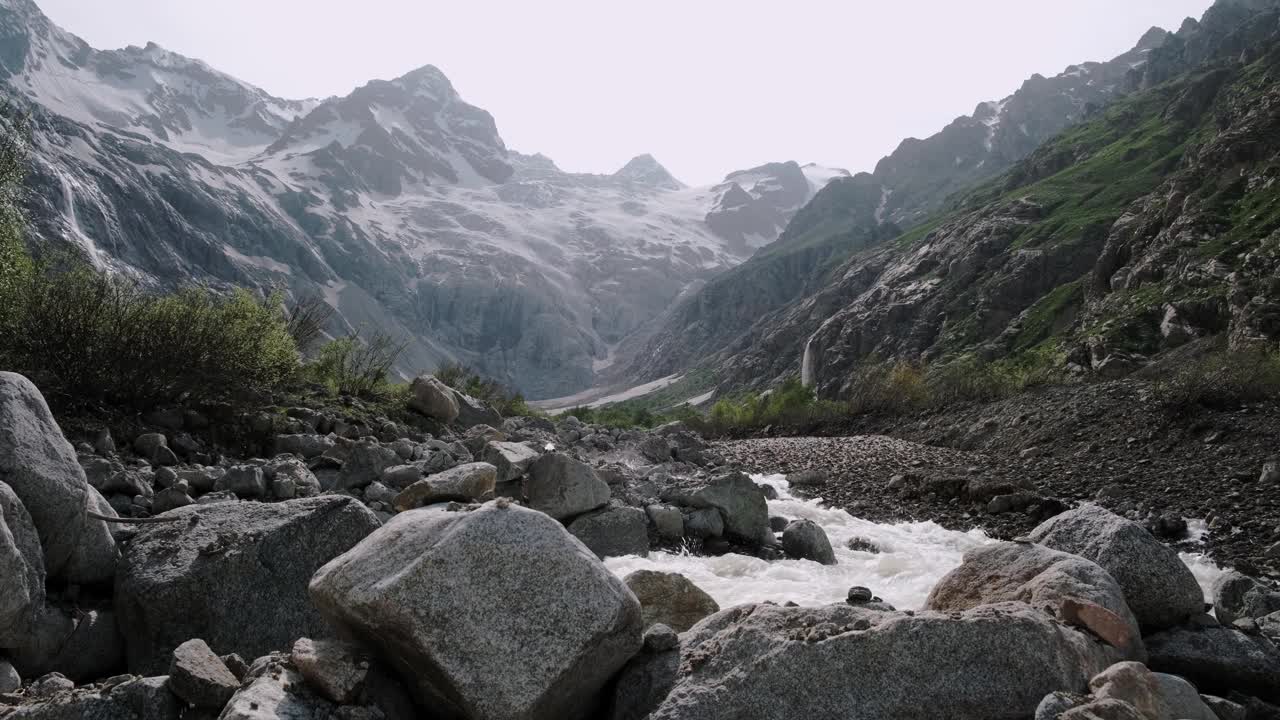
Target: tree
[(15, 263)]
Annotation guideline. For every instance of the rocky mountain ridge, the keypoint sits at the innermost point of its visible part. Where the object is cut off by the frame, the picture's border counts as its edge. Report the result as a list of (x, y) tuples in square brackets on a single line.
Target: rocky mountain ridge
[(398, 203)]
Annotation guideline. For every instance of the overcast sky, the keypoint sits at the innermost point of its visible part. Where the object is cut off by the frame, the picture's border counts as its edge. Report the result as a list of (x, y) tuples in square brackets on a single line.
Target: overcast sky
[(706, 86)]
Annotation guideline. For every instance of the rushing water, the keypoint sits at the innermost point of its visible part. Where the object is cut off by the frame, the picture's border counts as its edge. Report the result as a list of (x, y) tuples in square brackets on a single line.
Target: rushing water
[(912, 558)]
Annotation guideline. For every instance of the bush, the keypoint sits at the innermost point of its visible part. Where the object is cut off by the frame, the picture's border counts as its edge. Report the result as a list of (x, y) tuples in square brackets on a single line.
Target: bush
[(15, 265), (1222, 380), (87, 337), (307, 320), (490, 391), (355, 366)]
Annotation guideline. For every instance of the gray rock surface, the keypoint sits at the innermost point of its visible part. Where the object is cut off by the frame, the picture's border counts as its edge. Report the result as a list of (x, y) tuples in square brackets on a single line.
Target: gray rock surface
[(553, 627), (10, 680), (464, 483), (365, 463), (996, 661), (511, 459), (21, 570), (667, 521), (1218, 660), (613, 531), (806, 540), (275, 691), (246, 481), (433, 398), (563, 487), (670, 599), (335, 669), (1158, 587), (199, 677), (736, 497), (233, 574), (82, 645), (40, 466), (1238, 596)]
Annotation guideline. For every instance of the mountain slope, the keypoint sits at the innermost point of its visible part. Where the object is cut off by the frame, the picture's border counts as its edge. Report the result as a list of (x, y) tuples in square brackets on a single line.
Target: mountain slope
[(399, 203), (1150, 225)]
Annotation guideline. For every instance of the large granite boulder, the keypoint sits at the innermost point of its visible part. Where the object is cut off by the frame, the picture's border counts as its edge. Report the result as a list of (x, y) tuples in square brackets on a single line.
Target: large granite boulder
[(491, 613), (233, 574), (464, 483), (40, 466), (510, 459), (739, 501), (1218, 660), (1158, 586), (758, 662), (563, 487), (1045, 579), (806, 540), (21, 570), (613, 531), (1238, 596), (433, 398), (670, 599)]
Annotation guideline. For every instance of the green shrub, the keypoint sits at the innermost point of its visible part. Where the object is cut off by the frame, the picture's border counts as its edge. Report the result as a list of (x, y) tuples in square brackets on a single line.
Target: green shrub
[(15, 265), (307, 320), (490, 391), (1221, 380), (357, 366), (86, 337)]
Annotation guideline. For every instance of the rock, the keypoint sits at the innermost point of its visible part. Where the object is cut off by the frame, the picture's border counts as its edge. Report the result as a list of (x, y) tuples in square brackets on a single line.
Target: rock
[(10, 680), (154, 448), (199, 677), (21, 570), (1106, 709), (1224, 709), (1218, 660), (1058, 702), (667, 522), (307, 446), (1133, 683), (1158, 587), (613, 531), (1239, 596), (996, 661), (806, 540), (740, 503), (705, 523), (563, 487), (287, 471), (464, 483), (858, 544), (103, 443), (82, 646), (246, 481), (859, 595), (777, 523), (1183, 699), (171, 498), (40, 467), (1013, 502), (553, 627), (434, 399), (1270, 472), (234, 574), (660, 638), (201, 480), (769, 491), (401, 476), (1269, 625), (472, 412), (808, 478), (275, 691), (510, 459), (335, 669), (365, 463), (1078, 591), (670, 599), (51, 684), (655, 449), (643, 684)]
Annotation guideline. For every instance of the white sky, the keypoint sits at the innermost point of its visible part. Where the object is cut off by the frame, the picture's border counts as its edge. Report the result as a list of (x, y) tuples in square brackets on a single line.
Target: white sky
[(706, 86)]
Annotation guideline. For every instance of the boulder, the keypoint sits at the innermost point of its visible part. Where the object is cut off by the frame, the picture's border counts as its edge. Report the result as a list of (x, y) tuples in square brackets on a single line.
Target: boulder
[(1238, 596), (613, 531), (655, 449), (365, 463), (464, 483), (286, 471), (21, 570), (1104, 709), (434, 399), (994, 661), (1158, 587), (40, 467), (336, 669), (1076, 590), (808, 478), (473, 411), (704, 523), (1183, 699), (1133, 683), (154, 448), (510, 459), (1224, 709), (81, 645), (1058, 702), (246, 481), (234, 574), (307, 446), (563, 487), (806, 540), (199, 677), (522, 620), (670, 599), (274, 690), (667, 522), (1218, 660), (739, 502), (643, 684)]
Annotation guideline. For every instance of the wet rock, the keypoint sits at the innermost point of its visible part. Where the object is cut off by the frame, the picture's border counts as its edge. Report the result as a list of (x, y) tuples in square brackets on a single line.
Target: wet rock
[(199, 677), (706, 523), (554, 626), (613, 531), (858, 544), (740, 503), (806, 540), (670, 599), (777, 523), (667, 522)]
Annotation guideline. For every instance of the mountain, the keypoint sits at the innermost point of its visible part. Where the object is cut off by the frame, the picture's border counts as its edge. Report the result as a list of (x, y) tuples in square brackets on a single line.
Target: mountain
[(1149, 224), (398, 203)]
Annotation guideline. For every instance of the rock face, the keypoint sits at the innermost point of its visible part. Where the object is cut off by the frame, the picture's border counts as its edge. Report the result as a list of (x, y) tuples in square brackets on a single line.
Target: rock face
[(563, 487), (1042, 578), (670, 599), (233, 574), (1158, 587), (553, 627), (40, 466), (996, 661), (21, 570)]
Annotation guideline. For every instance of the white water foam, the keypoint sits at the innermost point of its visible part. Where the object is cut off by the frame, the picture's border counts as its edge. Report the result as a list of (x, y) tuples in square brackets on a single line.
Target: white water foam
[(912, 558)]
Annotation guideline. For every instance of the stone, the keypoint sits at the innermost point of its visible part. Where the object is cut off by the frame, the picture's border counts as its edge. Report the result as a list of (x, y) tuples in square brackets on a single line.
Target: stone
[(286, 470), (859, 595), (740, 503), (199, 677), (705, 523), (613, 531), (1218, 660), (21, 570), (40, 467), (82, 646), (1133, 683), (670, 599), (643, 684), (306, 446), (434, 399), (401, 476), (201, 479), (1158, 587), (553, 626), (1238, 596), (246, 481), (1224, 709), (858, 544), (1269, 625), (563, 487), (10, 680), (474, 412), (1058, 702), (512, 460), (1270, 472), (777, 523), (365, 463), (275, 691), (994, 661), (336, 669), (1075, 589), (51, 684), (667, 522), (464, 483), (154, 448), (808, 478), (234, 574), (1182, 698), (655, 449), (1105, 709), (171, 498), (806, 540), (103, 443)]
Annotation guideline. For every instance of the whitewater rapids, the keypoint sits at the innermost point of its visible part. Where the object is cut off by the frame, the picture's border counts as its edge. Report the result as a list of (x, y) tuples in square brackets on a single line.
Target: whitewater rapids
[(912, 558)]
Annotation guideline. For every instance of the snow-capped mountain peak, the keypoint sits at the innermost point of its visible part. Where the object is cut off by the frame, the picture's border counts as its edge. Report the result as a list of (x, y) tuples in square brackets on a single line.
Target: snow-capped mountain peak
[(646, 170)]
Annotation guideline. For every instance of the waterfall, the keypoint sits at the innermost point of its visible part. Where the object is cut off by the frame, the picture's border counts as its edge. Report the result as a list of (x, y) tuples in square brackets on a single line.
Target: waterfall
[(73, 221), (807, 373)]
